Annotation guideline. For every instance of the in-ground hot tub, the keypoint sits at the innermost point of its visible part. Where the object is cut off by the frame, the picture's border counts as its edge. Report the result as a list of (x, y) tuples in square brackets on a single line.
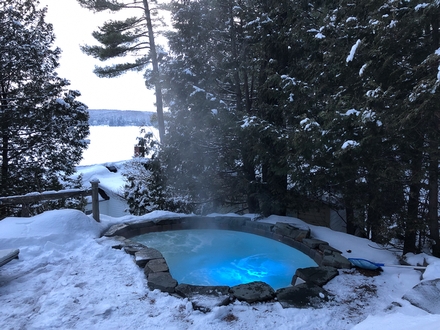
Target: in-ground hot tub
[(213, 257), (297, 236)]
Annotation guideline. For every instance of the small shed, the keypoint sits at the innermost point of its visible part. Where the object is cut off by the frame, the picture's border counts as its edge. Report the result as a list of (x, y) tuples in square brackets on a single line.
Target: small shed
[(111, 182)]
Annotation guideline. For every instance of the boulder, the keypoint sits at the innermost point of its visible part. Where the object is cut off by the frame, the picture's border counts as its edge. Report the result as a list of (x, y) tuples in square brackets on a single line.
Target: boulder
[(156, 266), (335, 259), (253, 292), (145, 255), (302, 296), (288, 230), (132, 247), (162, 281), (315, 275), (426, 295), (313, 242)]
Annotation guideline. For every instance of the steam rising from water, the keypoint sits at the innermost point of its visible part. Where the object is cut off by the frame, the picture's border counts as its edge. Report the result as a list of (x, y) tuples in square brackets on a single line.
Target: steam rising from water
[(222, 257)]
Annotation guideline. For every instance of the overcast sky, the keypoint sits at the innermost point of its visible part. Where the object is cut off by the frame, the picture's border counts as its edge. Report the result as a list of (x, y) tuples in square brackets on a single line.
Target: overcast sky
[(73, 27)]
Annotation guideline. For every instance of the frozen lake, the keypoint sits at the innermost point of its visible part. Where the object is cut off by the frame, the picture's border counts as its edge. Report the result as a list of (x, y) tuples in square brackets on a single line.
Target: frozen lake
[(112, 143)]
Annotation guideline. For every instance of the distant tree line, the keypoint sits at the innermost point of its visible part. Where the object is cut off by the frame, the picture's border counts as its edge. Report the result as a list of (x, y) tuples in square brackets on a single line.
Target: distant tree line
[(292, 104), (121, 118)]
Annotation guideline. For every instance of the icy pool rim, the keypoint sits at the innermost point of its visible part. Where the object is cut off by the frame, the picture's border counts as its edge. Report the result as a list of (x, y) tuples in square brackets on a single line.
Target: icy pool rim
[(294, 235)]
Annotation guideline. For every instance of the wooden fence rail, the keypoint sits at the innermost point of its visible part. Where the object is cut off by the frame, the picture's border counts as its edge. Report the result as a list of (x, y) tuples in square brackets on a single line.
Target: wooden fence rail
[(37, 197)]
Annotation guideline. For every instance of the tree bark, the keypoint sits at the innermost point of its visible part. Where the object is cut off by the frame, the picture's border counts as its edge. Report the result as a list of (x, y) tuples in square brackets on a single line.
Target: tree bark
[(155, 72), (433, 200), (412, 221), (5, 144)]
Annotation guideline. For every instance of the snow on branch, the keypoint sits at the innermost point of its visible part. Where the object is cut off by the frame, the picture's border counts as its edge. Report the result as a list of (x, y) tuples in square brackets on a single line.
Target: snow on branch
[(353, 51), (437, 52), (197, 90), (349, 144)]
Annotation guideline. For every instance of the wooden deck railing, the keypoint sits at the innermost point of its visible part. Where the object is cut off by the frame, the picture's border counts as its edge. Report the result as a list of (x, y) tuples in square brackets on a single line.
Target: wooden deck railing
[(26, 200)]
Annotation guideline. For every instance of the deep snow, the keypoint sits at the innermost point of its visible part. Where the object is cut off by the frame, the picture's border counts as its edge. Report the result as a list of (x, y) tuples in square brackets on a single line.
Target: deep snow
[(69, 277)]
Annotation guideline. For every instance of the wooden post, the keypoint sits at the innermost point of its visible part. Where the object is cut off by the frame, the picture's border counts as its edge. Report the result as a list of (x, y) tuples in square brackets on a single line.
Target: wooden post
[(25, 213), (95, 199)]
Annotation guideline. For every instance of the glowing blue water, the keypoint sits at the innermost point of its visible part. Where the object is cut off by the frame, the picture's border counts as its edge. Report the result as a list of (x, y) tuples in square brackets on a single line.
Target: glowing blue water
[(223, 257)]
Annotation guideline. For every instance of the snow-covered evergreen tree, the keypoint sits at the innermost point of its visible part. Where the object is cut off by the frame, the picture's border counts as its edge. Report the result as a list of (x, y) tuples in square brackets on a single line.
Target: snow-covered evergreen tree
[(43, 128)]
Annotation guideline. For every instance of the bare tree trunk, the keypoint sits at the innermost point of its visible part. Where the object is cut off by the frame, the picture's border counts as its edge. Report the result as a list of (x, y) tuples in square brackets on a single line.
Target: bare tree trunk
[(155, 72)]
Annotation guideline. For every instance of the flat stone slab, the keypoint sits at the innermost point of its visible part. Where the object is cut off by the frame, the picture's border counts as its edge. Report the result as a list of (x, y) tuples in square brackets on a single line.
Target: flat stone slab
[(145, 255), (288, 230), (425, 295), (305, 295), (335, 259), (156, 266), (116, 230), (315, 275), (204, 298), (253, 292), (162, 281), (313, 242), (131, 247)]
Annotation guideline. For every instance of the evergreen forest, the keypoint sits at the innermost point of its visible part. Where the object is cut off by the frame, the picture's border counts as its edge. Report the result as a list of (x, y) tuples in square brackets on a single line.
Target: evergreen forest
[(287, 105), (271, 107)]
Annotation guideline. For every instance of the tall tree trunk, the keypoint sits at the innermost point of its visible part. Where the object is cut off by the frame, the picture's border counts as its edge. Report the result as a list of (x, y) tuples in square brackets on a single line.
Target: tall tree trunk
[(155, 72), (410, 239), (433, 199), (374, 220), (433, 219), (349, 215), (5, 144), (412, 220)]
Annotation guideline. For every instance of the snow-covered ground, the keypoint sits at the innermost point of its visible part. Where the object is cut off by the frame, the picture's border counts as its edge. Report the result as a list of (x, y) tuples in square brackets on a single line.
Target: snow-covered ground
[(68, 277), (112, 143)]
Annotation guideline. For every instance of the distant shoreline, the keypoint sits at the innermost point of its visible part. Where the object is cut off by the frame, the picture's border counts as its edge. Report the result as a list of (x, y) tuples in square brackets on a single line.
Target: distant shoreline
[(104, 117)]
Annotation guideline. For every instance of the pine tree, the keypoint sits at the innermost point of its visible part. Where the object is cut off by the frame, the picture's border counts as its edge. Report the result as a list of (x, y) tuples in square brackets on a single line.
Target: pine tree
[(132, 37), (374, 75), (43, 127)]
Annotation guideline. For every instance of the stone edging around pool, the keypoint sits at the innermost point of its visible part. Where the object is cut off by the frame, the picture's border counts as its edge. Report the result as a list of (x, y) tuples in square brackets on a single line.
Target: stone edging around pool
[(307, 282)]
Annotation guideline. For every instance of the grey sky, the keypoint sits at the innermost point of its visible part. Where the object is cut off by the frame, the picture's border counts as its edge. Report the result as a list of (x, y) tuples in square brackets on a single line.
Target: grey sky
[(73, 27)]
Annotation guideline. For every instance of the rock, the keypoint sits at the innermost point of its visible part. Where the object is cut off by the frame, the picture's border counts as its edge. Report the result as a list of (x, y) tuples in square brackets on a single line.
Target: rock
[(253, 292), (145, 255), (335, 259), (162, 281), (313, 243), (156, 266), (288, 230), (204, 298), (426, 295), (315, 275), (117, 230), (302, 296), (119, 242), (131, 247)]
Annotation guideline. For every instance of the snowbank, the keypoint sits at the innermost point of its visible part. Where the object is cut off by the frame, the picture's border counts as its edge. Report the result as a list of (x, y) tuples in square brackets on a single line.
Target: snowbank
[(69, 277)]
